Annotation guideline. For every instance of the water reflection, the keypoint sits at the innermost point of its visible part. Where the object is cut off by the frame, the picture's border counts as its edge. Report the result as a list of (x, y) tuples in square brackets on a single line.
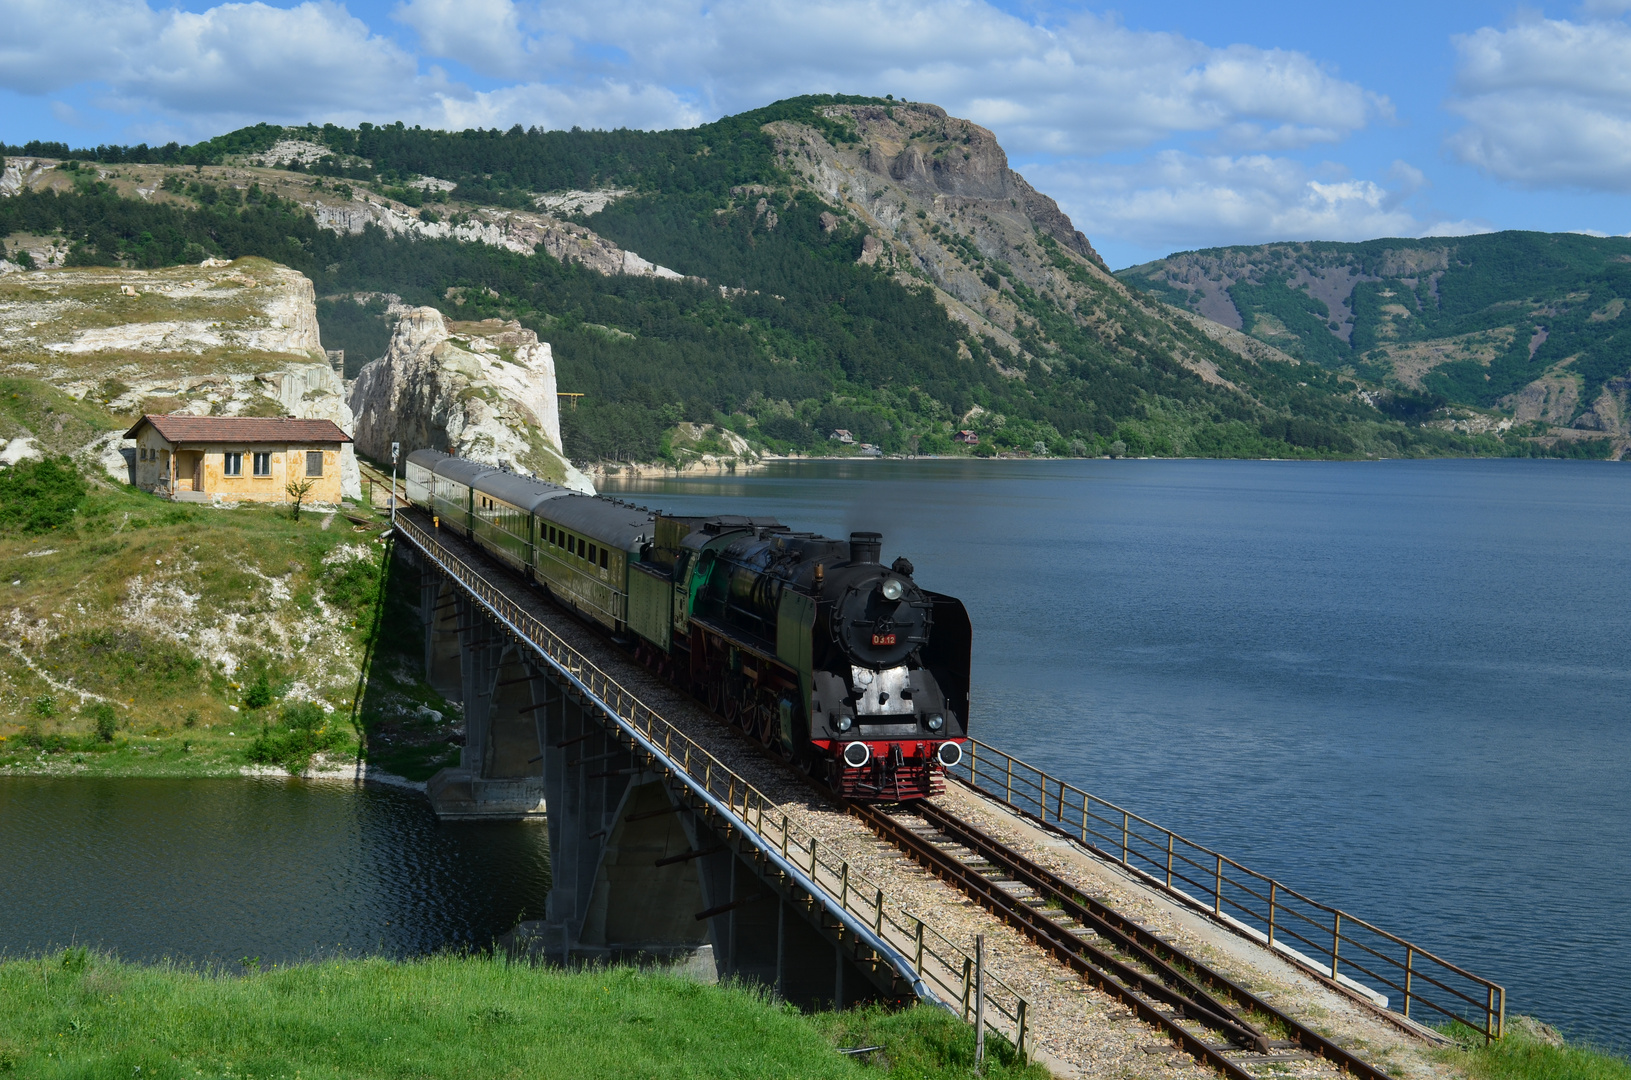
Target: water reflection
[(215, 870)]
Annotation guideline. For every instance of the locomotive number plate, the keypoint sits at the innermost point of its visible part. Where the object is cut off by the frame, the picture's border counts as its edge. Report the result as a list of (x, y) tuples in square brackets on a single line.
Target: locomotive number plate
[(883, 639)]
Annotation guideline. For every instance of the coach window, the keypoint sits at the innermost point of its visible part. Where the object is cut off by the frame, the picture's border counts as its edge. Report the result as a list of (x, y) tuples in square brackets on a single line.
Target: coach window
[(233, 463), (314, 463), (580, 547), (263, 463), (591, 554), (603, 558)]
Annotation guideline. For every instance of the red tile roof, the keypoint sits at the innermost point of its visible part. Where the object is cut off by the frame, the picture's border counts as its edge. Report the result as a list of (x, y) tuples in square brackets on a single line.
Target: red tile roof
[(180, 428)]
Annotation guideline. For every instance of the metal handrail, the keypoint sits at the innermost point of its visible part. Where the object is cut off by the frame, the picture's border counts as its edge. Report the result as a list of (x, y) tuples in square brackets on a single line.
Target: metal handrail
[(1258, 904), (940, 965)]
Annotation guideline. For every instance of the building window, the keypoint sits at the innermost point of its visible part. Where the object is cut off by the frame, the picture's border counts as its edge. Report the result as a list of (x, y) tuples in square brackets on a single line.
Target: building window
[(603, 558), (314, 463), (234, 463), (263, 463), (591, 553), (580, 547)]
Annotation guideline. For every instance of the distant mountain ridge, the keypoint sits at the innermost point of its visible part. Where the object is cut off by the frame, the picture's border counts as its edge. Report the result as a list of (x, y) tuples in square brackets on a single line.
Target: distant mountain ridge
[(1525, 326), (825, 262)]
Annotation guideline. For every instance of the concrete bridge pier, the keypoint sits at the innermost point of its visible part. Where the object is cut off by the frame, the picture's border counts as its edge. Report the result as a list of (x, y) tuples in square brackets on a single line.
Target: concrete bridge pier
[(504, 692)]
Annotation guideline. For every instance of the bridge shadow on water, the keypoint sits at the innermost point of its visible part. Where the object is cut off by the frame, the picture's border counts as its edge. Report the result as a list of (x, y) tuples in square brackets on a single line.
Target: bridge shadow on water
[(404, 726)]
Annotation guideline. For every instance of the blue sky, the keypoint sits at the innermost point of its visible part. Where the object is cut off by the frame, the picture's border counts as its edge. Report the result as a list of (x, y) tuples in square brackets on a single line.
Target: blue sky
[(1159, 126)]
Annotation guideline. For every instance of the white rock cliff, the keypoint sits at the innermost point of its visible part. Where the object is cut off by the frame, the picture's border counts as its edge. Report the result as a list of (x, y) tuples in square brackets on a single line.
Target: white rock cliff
[(482, 390)]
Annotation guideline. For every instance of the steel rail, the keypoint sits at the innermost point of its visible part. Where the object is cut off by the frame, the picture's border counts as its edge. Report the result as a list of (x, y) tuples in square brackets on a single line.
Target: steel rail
[(1133, 989), (1223, 888), (1150, 948)]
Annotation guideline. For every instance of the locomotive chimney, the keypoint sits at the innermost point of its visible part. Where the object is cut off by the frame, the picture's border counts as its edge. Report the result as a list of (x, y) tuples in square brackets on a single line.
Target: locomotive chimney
[(865, 547)]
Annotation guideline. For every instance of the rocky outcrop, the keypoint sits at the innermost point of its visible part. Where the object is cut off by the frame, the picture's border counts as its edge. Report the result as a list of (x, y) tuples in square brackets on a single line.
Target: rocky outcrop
[(513, 230), (942, 207), (224, 339), (482, 390)]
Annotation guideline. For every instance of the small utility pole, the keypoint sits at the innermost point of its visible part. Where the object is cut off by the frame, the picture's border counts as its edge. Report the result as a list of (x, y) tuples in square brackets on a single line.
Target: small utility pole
[(396, 449), (979, 1000)]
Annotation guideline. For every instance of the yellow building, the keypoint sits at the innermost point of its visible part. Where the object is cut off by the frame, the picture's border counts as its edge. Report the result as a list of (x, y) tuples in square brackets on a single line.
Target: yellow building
[(201, 458)]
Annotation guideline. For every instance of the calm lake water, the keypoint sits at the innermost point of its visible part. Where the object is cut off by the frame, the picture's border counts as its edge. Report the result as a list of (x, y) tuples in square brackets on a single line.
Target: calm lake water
[(213, 871), (1399, 686)]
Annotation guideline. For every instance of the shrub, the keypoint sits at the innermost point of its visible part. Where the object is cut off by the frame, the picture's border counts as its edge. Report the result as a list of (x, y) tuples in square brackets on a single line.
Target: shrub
[(259, 695), (102, 716), (44, 706), (302, 730), (38, 496)]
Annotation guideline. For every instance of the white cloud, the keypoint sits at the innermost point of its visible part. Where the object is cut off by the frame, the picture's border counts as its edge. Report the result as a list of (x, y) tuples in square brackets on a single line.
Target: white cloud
[(1178, 200), (231, 61), (1548, 102), (1085, 85)]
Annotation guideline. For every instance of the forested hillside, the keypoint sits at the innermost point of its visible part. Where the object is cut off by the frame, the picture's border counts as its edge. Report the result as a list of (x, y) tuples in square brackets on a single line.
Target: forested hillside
[(1524, 326), (847, 263)]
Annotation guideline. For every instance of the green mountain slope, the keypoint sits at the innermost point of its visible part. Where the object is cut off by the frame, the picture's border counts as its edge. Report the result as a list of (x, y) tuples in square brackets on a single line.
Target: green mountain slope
[(1523, 326), (847, 263)]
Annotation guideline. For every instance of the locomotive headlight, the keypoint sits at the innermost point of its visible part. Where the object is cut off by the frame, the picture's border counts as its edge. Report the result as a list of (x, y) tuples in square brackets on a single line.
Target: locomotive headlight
[(936, 722), (892, 589), (845, 723)]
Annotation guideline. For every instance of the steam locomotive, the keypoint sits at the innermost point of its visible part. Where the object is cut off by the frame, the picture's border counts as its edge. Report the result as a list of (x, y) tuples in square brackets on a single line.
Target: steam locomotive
[(808, 644)]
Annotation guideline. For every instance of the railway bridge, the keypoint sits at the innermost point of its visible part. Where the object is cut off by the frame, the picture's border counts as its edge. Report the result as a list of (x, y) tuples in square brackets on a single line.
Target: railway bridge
[(662, 849)]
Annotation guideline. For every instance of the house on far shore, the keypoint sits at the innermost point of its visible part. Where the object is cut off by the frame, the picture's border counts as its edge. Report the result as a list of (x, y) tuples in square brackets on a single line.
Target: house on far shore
[(842, 435), (967, 437), (253, 458)]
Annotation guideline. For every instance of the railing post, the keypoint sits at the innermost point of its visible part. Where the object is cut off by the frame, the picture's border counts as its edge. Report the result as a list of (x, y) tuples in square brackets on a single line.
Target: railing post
[(973, 763), (968, 984), (1273, 888), (979, 1000), (1124, 819), (813, 859), (843, 886), (1019, 1047), (918, 960), (1169, 860), (1217, 889), (1409, 976), (1489, 1018), (1008, 784), (1086, 799), (877, 924), (1336, 941), (784, 836), (1059, 807)]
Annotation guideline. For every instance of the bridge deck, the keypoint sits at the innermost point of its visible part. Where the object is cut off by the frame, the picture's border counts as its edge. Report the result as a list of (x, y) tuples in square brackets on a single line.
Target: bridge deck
[(1074, 1029)]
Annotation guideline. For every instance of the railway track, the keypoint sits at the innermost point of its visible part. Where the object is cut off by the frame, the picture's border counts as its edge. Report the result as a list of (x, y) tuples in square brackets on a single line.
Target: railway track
[(1213, 1019)]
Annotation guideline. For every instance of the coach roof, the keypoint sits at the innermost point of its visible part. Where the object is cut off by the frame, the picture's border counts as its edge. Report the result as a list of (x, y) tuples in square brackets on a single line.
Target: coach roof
[(524, 492), (612, 523), (427, 459), (461, 471)]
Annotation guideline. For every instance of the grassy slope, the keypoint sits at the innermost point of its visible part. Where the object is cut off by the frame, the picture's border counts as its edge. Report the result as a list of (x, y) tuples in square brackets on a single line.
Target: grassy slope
[(1523, 1056), (455, 1017), (171, 613)]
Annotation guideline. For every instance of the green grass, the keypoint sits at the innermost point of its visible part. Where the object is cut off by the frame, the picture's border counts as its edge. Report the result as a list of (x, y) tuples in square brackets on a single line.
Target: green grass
[(83, 1015), (143, 603), (1526, 1053)]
